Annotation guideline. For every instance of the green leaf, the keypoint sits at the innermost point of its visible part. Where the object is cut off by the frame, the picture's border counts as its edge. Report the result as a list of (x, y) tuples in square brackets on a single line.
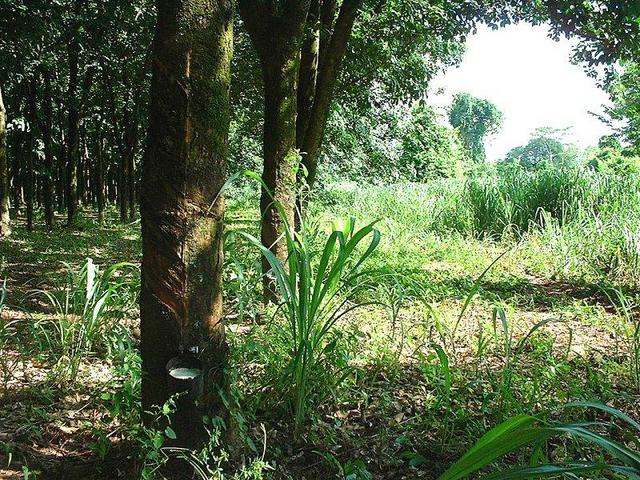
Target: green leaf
[(542, 471), (605, 408), (170, 433)]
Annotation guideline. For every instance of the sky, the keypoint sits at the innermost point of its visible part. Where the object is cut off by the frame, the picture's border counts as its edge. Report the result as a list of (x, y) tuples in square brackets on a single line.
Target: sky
[(530, 78)]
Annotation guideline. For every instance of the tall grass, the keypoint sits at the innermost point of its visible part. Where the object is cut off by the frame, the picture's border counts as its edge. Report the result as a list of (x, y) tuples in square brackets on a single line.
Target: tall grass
[(584, 221), (86, 310), (517, 200), (315, 289)]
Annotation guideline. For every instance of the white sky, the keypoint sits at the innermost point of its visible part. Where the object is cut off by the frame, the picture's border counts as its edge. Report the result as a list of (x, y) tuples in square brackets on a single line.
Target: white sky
[(531, 80)]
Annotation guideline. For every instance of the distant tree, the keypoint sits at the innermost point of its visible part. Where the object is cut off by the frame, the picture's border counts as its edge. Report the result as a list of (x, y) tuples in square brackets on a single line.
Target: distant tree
[(610, 141), (474, 119), (546, 147), (5, 229), (429, 149), (624, 90), (363, 146), (612, 157)]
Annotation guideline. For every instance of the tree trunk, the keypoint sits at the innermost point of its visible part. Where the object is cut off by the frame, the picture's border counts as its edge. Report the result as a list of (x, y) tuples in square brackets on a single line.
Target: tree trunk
[(329, 69), (99, 175), (5, 227), (71, 186), (181, 207), (131, 143), (308, 71), (49, 161), (61, 159), (123, 191), (44, 123), (16, 171), (28, 179), (277, 35), (131, 183), (280, 160), (82, 168)]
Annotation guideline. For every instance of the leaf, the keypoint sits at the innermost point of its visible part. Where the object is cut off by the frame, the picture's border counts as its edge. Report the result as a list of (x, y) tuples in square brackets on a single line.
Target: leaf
[(170, 433), (506, 437), (542, 471), (605, 408)]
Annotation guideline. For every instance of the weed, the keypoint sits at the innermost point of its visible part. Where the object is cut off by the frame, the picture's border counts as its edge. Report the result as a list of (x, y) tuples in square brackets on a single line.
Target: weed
[(314, 298), (86, 310), (523, 430)]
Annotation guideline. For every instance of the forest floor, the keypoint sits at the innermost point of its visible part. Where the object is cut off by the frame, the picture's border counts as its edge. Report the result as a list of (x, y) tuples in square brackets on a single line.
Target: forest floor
[(418, 392)]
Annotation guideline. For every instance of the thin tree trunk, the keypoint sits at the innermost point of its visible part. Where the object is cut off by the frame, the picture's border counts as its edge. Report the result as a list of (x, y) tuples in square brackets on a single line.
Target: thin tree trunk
[(277, 36), (131, 146), (5, 227), (308, 71), (181, 207), (28, 179), (99, 175), (111, 185), (132, 185), (61, 159), (123, 191), (16, 173), (82, 168), (280, 161), (49, 161), (329, 69), (73, 51)]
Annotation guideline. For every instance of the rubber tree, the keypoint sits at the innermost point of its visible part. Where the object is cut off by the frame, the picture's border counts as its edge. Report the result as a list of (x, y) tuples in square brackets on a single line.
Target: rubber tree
[(5, 228), (181, 206), (276, 31), (324, 49), (73, 116), (43, 122)]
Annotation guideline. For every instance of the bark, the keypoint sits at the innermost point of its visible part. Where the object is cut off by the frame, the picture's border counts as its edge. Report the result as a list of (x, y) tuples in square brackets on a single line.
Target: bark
[(132, 144), (82, 168), (99, 175), (44, 123), (123, 191), (61, 159), (49, 160), (329, 69), (16, 172), (73, 120), (181, 209), (5, 226), (308, 71), (28, 178), (277, 35)]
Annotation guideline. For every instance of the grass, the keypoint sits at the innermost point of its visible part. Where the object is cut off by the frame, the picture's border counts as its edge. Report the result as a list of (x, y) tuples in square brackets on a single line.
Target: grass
[(522, 430), (554, 320), (315, 297)]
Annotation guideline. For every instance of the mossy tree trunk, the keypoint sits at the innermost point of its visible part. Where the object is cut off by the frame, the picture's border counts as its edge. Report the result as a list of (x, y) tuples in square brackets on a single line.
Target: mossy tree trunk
[(5, 227), (333, 42), (181, 206), (276, 32)]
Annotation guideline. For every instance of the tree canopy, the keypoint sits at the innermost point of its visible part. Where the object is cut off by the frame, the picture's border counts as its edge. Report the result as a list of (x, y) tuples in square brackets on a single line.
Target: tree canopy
[(475, 119)]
